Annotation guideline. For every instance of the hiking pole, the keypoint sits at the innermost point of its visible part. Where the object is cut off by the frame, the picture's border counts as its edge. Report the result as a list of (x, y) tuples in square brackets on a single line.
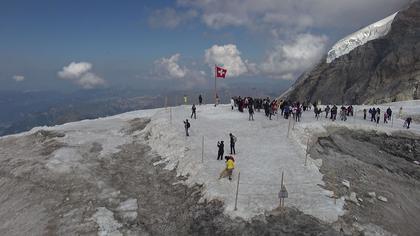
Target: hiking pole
[(237, 191)]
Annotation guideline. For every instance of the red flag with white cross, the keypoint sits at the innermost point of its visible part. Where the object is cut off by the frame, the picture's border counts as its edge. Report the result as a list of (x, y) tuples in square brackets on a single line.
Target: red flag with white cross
[(220, 72)]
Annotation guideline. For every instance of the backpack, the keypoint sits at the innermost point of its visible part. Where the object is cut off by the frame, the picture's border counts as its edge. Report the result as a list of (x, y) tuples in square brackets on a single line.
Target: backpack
[(235, 139), (188, 125)]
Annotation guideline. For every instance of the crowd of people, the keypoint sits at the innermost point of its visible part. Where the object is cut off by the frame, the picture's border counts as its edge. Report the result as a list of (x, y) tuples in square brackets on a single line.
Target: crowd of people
[(287, 109), (270, 107)]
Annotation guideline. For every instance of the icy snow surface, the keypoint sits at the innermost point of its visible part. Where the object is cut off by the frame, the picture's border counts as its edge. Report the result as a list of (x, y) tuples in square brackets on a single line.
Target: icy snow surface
[(371, 32), (263, 152)]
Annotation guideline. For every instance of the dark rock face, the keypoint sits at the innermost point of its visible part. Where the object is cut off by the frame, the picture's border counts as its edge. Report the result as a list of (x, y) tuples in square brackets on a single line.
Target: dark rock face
[(383, 70)]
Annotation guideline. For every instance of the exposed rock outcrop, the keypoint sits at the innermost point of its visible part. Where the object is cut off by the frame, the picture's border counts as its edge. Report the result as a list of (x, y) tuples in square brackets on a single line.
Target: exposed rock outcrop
[(382, 70)]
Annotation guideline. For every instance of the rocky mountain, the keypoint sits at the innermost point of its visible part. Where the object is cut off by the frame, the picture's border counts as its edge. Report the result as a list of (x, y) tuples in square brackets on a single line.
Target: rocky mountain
[(380, 63)]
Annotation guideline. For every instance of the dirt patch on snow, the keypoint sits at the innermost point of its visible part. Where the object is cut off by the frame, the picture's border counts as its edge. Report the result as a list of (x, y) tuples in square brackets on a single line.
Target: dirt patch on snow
[(383, 178), (136, 124), (119, 194)]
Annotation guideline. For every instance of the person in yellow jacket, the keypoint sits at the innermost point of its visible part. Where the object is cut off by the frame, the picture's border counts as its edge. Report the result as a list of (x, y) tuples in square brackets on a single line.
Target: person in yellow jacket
[(230, 165)]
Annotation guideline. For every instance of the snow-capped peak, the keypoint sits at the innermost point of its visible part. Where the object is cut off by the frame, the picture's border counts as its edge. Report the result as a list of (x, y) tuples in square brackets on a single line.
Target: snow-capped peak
[(371, 32)]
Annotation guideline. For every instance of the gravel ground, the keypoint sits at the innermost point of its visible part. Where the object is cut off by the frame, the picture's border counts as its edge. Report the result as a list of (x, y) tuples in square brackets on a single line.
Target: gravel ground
[(377, 166), (121, 194)]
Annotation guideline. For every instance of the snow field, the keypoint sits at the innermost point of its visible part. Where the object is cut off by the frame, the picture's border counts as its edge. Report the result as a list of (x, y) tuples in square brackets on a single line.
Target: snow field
[(263, 152)]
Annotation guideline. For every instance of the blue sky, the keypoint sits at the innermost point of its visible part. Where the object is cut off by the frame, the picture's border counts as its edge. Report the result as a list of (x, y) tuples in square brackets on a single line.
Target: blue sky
[(135, 43)]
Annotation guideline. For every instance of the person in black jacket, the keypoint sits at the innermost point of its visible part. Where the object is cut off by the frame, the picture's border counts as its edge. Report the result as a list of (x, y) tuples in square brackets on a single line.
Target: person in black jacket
[(193, 113), (232, 143), (221, 150), (200, 100), (251, 112), (187, 126), (407, 122)]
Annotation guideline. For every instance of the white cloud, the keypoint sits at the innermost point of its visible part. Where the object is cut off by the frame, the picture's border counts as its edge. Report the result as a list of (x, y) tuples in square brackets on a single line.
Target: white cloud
[(170, 67), (79, 72), (19, 78), (229, 56), (170, 18), (288, 60), (218, 20), (90, 81), (74, 70), (292, 14)]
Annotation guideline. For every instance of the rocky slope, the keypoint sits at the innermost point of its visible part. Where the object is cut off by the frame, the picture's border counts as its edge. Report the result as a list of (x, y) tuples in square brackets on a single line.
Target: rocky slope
[(381, 70)]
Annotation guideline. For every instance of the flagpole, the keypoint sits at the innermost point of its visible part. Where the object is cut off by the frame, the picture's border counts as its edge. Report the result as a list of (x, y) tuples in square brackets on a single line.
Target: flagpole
[(215, 88)]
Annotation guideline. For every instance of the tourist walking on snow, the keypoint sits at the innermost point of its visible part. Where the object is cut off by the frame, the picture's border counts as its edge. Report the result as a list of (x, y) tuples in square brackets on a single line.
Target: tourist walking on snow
[(230, 166), (317, 111), (378, 115), (232, 143), (389, 112), (407, 122), (364, 114), (373, 114), (200, 100), (334, 113), (194, 113), (251, 112), (187, 126), (232, 103), (327, 110), (343, 113), (221, 150)]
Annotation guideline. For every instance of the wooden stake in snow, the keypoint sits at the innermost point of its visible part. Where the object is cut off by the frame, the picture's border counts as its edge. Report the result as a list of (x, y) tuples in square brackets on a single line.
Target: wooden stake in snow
[(392, 121), (170, 115), (202, 149), (166, 102), (283, 192), (294, 122), (288, 129), (237, 191), (307, 151)]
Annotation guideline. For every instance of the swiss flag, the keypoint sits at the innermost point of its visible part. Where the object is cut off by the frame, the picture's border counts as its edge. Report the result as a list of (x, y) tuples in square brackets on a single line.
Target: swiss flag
[(220, 72)]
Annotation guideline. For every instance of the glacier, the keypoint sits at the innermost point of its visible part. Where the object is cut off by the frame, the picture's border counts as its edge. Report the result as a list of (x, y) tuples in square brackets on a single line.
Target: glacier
[(352, 41)]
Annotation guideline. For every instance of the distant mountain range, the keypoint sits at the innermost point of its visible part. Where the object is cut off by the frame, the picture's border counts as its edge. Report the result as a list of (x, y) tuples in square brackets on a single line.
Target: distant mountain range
[(380, 63), (21, 111)]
